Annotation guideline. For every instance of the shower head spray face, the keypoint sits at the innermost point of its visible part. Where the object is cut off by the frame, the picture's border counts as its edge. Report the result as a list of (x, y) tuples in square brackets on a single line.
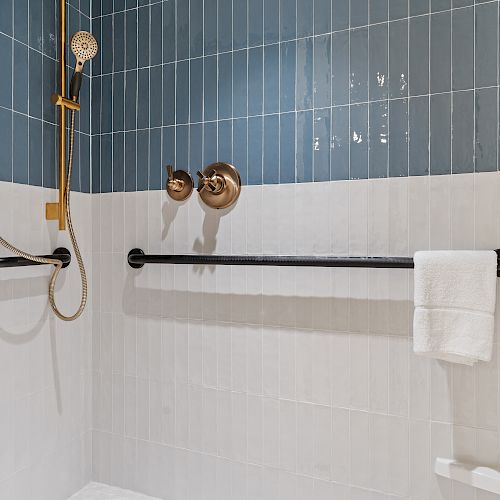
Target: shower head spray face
[(84, 46)]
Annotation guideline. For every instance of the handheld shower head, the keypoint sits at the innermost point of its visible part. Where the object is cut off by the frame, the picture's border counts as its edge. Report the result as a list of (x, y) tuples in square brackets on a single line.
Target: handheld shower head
[(84, 47)]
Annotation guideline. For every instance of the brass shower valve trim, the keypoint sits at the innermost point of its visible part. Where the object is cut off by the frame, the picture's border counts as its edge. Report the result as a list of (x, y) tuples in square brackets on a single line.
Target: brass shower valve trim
[(219, 185), (179, 184)]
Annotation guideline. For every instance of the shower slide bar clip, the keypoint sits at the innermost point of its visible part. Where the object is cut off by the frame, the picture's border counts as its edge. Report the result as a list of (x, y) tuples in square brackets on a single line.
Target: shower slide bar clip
[(61, 254), (137, 259)]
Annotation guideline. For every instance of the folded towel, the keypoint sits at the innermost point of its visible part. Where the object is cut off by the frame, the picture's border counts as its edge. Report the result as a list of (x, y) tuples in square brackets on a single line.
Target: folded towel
[(455, 297)]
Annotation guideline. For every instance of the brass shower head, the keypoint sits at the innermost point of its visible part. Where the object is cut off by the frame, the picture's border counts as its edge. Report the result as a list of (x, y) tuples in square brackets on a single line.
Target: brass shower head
[(84, 46)]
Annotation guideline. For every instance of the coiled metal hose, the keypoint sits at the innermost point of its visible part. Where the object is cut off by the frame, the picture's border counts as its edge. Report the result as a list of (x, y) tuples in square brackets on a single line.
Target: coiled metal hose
[(55, 262)]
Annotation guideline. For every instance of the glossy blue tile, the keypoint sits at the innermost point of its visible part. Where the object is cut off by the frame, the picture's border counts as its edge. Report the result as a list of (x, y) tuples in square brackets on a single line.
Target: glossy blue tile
[(106, 46), (225, 37), (182, 147), (118, 101), (196, 90), (305, 18), (304, 146), (379, 140), (398, 138), (35, 85), (96, 62), (379, 11), (419, 136), (339, 161), (359, 13), (419, 56), (359, 142), (169, 31), (106, 163), (156, 35), (240, 83), (418, 7), (255, 81), (288, 19), (107, 104), (130, 161), (85, 162), (49, 72), (287, 148), (305, 57), (169, 94), (440, 134), (463, 49), (155, 164), (131, 39), (156, 96), (398, 9), (142, 160), (271, 149), (240, 24), (20, 86), (322, 71), (463, 132), (340, 15), (486, 44), (143, 49), (118, 162), (225, 86), (75, 172), (440, 65), (6, 145), (182, 92), (96, 164), (119, 42), (321, 145), (271, 21), (106, 7), (6, 64), (196, 28), (440, 5), (167, 151), (462, 3), (225, 141), (50, 30), (20, 166), (322, 16), (398, 59), (196, 147), (288, 74), (255, 150), (182, 29), (486, 130), (210, 143), (96, 105), (359, 65), (35, 24), (271, 78), (20, 20), (340, 68), (379, 64), (240, 142), (255, 22), (210, 88), (35, 150)]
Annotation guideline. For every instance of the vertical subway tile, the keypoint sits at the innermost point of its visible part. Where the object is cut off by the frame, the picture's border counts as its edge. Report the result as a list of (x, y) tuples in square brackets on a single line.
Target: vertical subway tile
[(288, 19), (240, 155), (440, 65), (398, 59), (225, 86), (321, 147), (20, 20), (20, 129), (156, 35), (340, 68), (182, 92), (440, 5), (379, 11), (398, 137), (182, 147), (304, 97), (419, 55), (440, 134), (322, 71), (35, 150), (240, 83), (225, 25), (118, 101), (255, 136), (35, 24), (209, 143), (196, 90), (169, 30), (210, 27), (288, 72), (85, 160), (196, 28), (486, 44), (287, 148), (359, 65), (379, 69), (210, 87), (182, 29), (6, 145), (156, 97), (340, 15), (271, 21), (169, 97), (486, 130), (130, 158), (106, 163), (271, 78), (96, 164), (167, 150), (255, 81), (20, 82), (419, 136), (398, 9), (255, 22), (106, 47), (240, 24), (131, 99), (118, 162), (119, 42), (35, 85), (419, 7), (49, 30), (304, 153), (378, 139), (196, 147), (155, 163), (463, 132), (463, 49), (339, 168), (131, 39), (305, 20), (142, 98), (359, 142), (322, 16), (271, 149), (359, 13)]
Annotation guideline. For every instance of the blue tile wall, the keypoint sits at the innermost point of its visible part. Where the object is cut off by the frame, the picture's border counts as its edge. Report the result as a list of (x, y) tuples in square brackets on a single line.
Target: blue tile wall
[(288, 90), (28, 120)]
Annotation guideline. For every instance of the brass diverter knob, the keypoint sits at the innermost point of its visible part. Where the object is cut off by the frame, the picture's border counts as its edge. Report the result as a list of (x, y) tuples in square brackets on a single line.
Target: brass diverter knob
[(219, 185), (179, 184)]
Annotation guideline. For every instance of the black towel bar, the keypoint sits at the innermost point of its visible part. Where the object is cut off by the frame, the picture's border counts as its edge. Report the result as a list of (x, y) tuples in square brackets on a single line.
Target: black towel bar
[(137, 258), (61, 254)]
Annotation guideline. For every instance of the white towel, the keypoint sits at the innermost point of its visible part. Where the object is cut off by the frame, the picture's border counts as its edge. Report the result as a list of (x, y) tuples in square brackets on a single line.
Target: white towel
[(455, 297)]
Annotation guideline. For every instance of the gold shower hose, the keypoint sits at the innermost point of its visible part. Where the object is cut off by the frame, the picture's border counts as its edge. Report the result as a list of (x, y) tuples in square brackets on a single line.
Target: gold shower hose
[(56, 262)]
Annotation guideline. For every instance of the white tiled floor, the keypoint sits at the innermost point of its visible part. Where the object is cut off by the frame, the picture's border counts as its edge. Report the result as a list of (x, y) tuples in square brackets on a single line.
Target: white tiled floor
[(96, 491)]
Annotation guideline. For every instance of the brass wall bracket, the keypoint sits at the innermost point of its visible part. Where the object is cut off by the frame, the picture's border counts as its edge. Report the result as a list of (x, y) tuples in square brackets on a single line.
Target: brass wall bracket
[(219, 185), (179, 184), (59, 100)]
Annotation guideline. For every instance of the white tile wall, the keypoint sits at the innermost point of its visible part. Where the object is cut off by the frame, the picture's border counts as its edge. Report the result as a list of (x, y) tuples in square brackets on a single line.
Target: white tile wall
[(44, 363), (261, 383)]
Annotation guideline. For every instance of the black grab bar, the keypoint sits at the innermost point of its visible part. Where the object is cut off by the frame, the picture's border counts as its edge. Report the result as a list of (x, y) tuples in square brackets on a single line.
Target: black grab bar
[(62, 254), (137, 259)]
